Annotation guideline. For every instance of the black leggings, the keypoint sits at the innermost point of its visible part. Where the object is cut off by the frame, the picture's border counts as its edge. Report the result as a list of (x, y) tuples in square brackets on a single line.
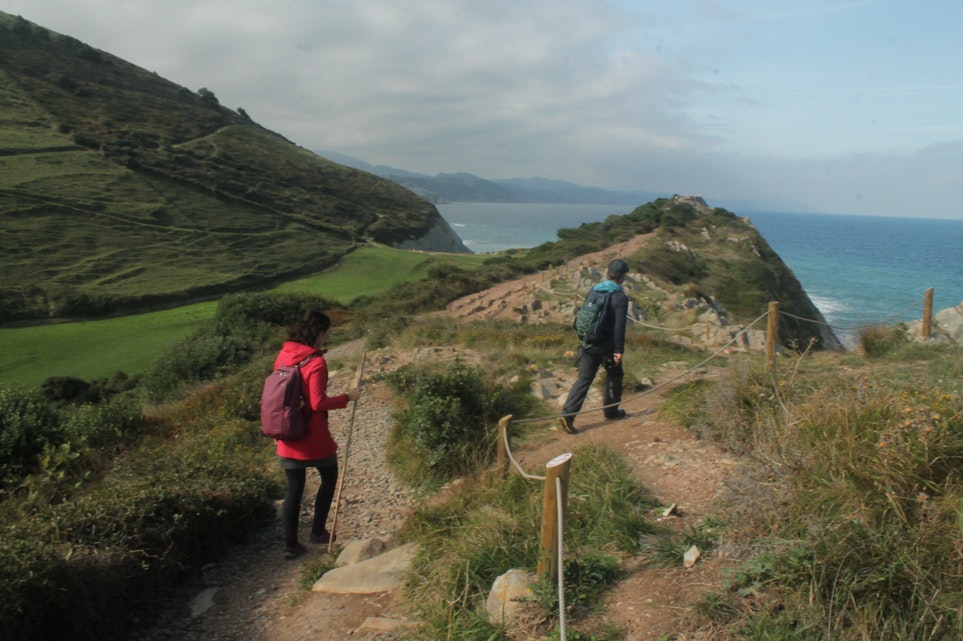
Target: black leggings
[(322, 502)]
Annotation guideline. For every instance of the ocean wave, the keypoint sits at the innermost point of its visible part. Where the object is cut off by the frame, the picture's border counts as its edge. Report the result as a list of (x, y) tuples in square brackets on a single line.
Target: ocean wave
[(828, 306)]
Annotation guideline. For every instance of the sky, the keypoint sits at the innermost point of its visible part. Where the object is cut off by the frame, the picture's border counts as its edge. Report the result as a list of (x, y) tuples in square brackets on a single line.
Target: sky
[(833, 106)]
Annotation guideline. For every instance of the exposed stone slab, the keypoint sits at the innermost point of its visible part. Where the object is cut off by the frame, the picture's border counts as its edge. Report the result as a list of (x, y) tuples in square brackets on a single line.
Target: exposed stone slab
[(378, 574)]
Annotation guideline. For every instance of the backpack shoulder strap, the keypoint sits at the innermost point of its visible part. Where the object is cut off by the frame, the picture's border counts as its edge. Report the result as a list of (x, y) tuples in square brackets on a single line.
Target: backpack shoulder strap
[(305, 361)]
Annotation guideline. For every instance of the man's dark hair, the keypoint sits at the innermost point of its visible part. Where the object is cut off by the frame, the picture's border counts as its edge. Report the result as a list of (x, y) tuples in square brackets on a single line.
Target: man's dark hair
[(307, 329)]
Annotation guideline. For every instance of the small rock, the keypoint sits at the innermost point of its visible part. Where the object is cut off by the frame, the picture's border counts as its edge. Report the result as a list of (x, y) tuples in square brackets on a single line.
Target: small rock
[(691, 556), (506, 595), (357, 551), (203, 602)]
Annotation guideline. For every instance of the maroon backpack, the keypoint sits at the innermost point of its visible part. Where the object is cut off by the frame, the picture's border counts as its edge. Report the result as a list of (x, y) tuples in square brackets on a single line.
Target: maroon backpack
[(281, 415)]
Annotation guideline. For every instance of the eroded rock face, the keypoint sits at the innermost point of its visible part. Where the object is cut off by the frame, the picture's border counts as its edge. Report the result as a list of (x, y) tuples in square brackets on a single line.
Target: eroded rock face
[(440, 238)]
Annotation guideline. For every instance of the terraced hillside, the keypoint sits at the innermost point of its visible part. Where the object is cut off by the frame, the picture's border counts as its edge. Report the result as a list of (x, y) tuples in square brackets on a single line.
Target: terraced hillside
[(120, 189)]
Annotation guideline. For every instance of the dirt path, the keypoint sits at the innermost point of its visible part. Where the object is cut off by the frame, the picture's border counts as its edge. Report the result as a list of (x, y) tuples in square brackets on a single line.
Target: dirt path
[(651, 602), (257, 596)]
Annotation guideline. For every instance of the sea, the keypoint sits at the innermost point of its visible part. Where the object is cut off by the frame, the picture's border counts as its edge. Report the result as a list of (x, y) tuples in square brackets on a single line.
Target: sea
[(858, 270)]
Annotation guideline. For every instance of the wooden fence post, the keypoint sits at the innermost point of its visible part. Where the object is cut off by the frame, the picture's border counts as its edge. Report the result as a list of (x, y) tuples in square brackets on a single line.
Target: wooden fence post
[(557, 468), (927, 313), (772, 335), (503, 424)]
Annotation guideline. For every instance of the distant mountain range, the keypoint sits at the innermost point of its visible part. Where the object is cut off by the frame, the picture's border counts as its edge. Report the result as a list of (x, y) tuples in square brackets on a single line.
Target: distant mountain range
[(464, 187)]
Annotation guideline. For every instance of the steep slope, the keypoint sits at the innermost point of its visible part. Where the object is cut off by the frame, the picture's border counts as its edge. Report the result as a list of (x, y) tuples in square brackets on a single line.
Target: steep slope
[(120, 189), (702, 274)]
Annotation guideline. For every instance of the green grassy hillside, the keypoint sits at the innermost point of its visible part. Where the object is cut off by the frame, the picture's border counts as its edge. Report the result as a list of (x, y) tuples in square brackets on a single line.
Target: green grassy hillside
[(99, 348), (121, 190)]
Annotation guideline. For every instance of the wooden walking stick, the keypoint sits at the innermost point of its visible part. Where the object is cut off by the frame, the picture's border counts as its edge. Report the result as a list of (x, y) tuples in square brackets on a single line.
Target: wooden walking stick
[(347, 450)]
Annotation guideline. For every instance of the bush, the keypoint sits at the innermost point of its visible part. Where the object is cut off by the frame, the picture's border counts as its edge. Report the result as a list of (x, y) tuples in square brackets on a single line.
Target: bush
[(240, 311), (105, 425), (196, 358), (878, 341), (80, 569), (243, 328), (63, 390), (449, 423), (27, 426)]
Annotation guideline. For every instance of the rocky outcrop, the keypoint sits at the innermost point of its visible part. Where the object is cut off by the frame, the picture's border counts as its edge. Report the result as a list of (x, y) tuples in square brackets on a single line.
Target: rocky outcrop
[(681, 313), (440, 238), (947, 326)]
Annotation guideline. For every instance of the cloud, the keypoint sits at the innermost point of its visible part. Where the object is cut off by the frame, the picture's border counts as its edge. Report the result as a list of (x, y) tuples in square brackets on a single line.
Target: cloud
[(725, 98)]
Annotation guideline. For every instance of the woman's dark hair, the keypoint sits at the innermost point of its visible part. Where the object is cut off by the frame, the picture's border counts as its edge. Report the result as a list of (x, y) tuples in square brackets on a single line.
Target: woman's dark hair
[(309, 327)]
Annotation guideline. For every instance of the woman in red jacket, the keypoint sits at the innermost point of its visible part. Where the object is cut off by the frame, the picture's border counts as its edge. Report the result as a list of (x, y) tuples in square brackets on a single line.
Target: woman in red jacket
[(317, 449)]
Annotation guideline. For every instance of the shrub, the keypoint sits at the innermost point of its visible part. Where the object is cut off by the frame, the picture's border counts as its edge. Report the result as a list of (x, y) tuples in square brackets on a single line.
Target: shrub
[(105, 425), (242, 329), (450, 418), (63, 390), (80, 569), (196, 358), (878, 340), (240, 311), (27, 426)]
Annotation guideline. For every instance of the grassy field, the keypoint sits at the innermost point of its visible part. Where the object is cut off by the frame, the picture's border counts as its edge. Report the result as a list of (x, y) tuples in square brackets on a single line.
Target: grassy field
[(374, 270), (93, 349), (97, 349)]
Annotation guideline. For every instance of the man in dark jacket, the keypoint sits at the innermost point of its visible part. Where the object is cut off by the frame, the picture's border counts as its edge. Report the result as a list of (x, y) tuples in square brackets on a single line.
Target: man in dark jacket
[(606, 351)]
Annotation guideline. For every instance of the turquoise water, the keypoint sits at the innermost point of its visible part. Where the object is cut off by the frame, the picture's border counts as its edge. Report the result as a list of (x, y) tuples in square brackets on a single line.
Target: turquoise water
[(858, 270)]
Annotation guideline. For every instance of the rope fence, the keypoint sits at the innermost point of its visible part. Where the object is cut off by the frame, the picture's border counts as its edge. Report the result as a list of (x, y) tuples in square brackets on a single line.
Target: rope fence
[(551, 555), (927, 302), (560, 514), (735, 338), (857, 327)]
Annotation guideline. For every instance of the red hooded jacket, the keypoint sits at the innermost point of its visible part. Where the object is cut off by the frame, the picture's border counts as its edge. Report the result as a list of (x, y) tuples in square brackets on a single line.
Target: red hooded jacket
[(318, 443)]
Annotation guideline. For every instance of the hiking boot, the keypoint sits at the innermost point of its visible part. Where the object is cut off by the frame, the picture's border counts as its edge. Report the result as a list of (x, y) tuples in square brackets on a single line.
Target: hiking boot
[(324, 537), (619, 413), (294, 552), (566, 425)]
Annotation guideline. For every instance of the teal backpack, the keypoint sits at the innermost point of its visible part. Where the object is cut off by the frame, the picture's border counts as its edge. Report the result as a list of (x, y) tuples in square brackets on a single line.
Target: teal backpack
[(590, 321)]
